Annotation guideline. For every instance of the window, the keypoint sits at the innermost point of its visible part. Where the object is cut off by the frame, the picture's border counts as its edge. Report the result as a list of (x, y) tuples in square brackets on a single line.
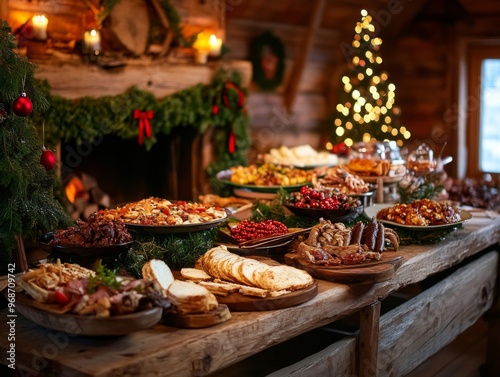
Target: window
[(481, 102), (489, 117)]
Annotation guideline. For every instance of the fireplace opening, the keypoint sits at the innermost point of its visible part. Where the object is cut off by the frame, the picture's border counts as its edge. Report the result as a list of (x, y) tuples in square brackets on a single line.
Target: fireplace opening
[(127, 171)]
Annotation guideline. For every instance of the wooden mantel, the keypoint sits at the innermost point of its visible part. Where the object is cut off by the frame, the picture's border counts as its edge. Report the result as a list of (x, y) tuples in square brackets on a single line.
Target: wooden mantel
[(72, 79)]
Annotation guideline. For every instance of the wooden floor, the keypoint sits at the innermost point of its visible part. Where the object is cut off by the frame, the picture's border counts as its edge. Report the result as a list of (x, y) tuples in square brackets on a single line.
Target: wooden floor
[(461, 358)]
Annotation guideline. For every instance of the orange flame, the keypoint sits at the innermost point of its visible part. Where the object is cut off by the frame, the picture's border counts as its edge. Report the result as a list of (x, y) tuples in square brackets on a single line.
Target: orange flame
[(74, 189)]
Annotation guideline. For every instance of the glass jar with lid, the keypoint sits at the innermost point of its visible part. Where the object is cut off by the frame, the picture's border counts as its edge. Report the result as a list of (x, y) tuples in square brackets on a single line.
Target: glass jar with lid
[(372, 150), (421, 160)]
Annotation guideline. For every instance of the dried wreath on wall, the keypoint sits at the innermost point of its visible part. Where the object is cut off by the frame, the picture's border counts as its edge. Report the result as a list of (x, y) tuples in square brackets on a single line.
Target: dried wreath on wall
[(268, 61)]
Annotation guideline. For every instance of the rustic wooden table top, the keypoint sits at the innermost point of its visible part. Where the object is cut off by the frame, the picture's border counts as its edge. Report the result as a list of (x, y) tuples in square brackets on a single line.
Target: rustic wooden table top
[(195, 352)]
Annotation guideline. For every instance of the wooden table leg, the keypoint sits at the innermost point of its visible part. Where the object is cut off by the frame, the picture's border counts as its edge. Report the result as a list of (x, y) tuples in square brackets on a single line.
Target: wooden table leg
[(380, 190), (368, 340), (491, 368)]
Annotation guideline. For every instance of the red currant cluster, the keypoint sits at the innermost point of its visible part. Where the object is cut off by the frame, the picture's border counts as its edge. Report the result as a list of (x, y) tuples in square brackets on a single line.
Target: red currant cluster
[(308, 197), (250, 230)]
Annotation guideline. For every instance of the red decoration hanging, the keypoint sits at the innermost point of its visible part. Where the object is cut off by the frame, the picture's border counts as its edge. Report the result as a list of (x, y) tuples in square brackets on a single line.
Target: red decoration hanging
[(48, 159), (231, 141), (22, 106), (144, 126), (225, 96), (215, 110)]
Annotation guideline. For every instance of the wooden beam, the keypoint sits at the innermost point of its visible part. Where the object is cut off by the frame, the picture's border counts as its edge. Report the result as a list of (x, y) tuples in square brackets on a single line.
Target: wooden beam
[(314, 23), (162, 15)]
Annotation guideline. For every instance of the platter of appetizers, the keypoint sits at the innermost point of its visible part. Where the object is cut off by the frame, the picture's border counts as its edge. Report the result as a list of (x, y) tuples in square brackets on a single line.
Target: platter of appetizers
[(70, 298), (420, 215), (157, 215), (265, 178)]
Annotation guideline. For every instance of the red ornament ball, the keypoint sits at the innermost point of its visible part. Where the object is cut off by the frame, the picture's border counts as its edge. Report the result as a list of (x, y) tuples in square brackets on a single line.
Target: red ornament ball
[(22, 106), (340, 149), (215, 110), (48, 159)]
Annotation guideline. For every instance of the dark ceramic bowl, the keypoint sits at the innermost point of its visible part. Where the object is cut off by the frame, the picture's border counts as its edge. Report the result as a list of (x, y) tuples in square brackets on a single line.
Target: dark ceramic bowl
[(334, 215)]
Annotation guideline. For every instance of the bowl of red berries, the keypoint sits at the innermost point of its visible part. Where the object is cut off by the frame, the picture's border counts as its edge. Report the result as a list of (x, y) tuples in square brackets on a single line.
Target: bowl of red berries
[(323, 203)]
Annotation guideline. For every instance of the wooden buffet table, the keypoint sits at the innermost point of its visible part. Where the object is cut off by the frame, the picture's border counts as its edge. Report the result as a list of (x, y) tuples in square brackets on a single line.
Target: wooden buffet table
[(391, 344)]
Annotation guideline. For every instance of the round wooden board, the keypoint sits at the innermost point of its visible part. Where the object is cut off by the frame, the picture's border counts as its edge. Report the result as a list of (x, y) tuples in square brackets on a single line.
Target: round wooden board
[(241, 303), (365, 273), (198, 320), (49, 316)]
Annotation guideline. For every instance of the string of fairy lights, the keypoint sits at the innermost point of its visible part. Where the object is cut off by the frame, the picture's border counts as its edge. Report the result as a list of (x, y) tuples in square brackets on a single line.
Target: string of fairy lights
[(368, 112)]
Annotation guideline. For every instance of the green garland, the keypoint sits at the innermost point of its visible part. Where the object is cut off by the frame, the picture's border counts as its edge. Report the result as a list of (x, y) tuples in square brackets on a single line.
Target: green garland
[(198, 108)]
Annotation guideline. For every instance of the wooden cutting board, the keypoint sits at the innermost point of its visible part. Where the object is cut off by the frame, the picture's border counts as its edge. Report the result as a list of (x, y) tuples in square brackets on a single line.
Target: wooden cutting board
[(237, 302), (198, 320), (365, 273)]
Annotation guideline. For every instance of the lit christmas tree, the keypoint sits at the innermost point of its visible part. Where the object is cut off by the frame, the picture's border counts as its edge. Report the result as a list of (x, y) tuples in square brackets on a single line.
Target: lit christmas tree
[(366, 111), (27, 203)]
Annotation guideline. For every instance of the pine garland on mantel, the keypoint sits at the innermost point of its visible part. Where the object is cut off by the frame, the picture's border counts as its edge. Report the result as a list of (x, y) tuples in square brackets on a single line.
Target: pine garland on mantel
[(219, 105)]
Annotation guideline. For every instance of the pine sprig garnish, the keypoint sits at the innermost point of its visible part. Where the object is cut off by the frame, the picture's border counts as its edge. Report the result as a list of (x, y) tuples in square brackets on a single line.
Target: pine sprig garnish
[(420, 187), (412, 237), (177, 250), (104, 277), (276, 211)]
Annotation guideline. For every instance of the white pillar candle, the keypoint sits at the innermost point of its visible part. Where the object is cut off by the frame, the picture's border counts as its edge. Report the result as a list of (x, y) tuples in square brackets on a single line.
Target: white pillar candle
[(91, 41), (215, 45), (40, 27)]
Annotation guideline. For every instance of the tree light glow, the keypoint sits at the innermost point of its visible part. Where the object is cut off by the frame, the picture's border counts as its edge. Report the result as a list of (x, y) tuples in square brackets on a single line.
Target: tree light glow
[(367, 108)]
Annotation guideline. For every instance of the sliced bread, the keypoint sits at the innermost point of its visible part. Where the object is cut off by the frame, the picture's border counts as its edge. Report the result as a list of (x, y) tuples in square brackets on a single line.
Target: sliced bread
[(157, 270)]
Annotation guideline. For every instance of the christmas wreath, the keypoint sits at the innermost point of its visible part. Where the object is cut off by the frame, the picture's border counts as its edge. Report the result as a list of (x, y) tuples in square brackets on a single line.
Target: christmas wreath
[(268, 61)]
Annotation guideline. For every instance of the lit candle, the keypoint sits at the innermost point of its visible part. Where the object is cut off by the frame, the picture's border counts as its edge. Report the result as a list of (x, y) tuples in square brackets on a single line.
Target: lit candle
[(202, 47), (92, 42), (202, 42), (215, 45), (40, 27)]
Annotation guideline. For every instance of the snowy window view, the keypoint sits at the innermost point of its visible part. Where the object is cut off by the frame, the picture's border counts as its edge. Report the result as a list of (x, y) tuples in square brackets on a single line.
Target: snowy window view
[(489, 132)]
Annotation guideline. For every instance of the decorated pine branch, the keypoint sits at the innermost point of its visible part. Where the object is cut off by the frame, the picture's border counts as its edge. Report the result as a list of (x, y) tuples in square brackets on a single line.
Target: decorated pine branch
[(27, 178)]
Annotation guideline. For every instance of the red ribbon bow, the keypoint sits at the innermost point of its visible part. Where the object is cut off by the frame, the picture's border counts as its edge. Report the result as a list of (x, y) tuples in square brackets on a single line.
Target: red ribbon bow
[(225, 96), (144, 126), (231, 142)]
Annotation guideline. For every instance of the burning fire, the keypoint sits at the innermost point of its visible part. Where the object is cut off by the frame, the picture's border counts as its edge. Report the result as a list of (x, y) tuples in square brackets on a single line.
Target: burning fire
[(75, 189)]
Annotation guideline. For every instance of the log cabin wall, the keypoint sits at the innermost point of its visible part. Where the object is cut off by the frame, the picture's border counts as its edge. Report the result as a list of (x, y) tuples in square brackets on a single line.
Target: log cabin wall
[(419, 50)]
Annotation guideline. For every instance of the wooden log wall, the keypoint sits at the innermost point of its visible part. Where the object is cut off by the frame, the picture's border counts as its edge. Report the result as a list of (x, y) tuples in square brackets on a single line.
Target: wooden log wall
[(272, 123), (419, 51), (420, 56)]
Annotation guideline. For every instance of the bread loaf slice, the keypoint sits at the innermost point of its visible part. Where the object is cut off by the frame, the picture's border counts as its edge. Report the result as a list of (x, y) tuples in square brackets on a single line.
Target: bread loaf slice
[(278, 278), (220, 289), (195, 274), (157, 270), (226, 266), (189, 297)]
